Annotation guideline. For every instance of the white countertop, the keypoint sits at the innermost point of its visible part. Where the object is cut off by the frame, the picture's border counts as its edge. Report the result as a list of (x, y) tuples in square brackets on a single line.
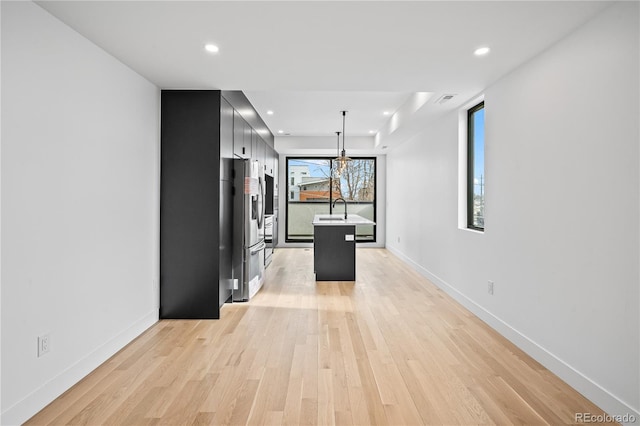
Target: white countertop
[(338, 219)]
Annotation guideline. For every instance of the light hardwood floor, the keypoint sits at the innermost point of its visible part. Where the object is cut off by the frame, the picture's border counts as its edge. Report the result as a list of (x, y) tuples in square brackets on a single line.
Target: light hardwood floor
[(390, 348)]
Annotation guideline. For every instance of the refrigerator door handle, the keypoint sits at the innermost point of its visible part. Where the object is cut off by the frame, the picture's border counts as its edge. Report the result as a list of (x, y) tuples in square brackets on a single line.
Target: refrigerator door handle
[(260, 200), (260, 247)]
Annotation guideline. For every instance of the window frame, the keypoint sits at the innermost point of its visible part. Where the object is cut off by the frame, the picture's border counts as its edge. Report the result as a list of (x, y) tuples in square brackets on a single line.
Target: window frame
[(331, 159), (470, 165)]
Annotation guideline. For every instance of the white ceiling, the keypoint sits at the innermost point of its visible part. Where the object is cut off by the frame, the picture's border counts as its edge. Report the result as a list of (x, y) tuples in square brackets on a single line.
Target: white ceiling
[(365, 111), (307, 60)]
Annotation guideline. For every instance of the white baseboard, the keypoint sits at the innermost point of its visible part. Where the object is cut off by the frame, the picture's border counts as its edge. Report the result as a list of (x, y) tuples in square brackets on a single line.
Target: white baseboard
[(39, 398), (587, 387)]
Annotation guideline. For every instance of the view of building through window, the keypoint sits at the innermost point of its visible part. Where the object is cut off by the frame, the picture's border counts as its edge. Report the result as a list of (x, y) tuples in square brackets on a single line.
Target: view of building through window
[(476, 185), (313, 188)]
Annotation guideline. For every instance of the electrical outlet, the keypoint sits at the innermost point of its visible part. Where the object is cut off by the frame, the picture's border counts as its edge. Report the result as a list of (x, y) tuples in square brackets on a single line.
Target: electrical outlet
[(490, 287), (44, 344)]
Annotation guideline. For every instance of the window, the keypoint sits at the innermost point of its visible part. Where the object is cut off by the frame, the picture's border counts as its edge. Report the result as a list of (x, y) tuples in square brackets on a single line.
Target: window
[(475, 167), (315, 189)]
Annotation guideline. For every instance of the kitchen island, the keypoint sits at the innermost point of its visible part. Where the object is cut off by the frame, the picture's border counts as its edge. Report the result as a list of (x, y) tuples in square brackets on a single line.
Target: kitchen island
[(334, 246)]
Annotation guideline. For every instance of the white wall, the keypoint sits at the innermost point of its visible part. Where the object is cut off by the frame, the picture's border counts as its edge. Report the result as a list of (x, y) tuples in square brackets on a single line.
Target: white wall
[(562, 209), (80, 145)]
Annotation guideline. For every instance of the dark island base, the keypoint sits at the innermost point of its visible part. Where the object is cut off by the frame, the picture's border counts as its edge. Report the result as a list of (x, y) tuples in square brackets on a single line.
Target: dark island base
[(334, 257)]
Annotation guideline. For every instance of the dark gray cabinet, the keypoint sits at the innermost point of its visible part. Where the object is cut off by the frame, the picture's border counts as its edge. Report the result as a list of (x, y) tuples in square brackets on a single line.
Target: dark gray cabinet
[(269, 161), (195, 203), (258, 148), (242, 143), (254, 145), (261, 155), (272, 170), (226, 140), (248, 140)]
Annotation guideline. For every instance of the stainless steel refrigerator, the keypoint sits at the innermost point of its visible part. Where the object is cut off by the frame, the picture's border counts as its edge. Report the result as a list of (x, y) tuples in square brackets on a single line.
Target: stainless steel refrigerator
[(248, 229)]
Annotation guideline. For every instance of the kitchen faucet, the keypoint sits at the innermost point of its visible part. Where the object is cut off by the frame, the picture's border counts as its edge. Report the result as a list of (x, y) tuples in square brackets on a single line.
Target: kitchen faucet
[(345, 206)]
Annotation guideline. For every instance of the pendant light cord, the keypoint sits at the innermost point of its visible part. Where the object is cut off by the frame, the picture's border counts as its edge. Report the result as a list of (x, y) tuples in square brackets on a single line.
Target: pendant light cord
[(344, 115)]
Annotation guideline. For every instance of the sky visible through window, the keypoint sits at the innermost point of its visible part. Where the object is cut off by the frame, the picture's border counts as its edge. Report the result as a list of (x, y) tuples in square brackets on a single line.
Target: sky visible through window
[(317, 168), (478, 147), (476, 154), (355, 183)]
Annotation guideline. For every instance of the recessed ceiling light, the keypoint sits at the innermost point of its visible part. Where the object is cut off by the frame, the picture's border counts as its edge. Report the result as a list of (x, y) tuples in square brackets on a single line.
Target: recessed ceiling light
[(386, 113), (269, 112), (372, 131), (280, 131), (212, 48), (481, 51)]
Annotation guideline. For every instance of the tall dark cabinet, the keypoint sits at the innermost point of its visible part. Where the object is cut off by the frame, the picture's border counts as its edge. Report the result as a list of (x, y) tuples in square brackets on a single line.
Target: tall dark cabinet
[(202, 131), (195, 203)]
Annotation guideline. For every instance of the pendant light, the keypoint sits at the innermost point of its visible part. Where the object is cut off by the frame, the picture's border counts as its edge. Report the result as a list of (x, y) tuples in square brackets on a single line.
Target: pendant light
[(336, 164), (342, 159)]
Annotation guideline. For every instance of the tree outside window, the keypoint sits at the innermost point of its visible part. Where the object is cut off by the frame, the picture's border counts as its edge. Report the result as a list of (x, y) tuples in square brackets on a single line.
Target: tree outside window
[(313, 188)]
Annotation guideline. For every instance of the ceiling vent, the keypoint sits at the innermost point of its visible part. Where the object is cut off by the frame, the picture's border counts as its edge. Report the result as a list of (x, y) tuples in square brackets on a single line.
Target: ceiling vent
[(444, 99)]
